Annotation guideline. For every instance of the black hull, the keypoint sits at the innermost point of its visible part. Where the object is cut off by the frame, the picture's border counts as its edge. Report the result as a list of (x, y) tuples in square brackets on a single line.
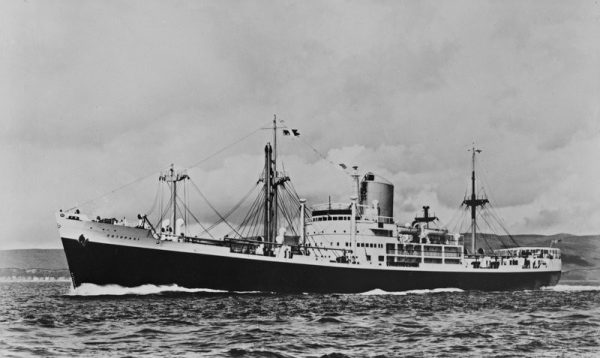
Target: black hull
[(104, 264)]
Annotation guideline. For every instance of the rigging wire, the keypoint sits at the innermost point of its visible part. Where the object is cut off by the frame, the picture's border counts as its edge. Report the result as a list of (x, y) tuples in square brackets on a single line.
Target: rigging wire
[(287, 203), (488, 213), (225, 148), (160, 212), (483, 217), (496, 215), (155, 202), (158, 172), (185, 202), (199, 223), (212, 207), (234, 208), (164, 213), (251, 213), (256, 216), (322, 156)]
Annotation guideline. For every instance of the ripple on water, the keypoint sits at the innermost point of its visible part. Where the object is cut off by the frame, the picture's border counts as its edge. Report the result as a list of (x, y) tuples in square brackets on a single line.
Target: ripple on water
[(42, 319)]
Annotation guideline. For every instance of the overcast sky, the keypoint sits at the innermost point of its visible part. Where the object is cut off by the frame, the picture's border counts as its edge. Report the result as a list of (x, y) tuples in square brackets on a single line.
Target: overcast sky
[(95, 94)]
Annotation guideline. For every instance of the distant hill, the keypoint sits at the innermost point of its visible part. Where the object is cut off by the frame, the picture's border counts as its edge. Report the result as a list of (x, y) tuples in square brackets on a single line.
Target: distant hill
[(580, 254), (33, 264)]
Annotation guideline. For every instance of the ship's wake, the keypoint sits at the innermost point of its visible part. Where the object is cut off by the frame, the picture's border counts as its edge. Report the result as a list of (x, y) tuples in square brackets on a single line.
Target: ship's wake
[(411, 292), (571, 288), (88, 289)]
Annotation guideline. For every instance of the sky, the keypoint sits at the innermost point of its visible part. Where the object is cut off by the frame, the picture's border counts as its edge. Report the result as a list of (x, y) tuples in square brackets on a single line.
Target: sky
[(96, 94)]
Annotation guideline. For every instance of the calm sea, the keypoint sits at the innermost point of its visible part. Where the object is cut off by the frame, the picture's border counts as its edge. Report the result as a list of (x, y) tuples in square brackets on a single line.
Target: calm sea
[(51, 319)]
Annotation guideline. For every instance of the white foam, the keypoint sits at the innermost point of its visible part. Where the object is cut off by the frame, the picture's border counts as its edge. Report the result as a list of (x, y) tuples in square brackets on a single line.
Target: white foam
[(88, 289), (411, 292), (571, 288)]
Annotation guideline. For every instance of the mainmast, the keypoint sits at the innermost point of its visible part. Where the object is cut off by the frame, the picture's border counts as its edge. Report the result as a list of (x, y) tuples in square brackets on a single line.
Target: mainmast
[(474, 202), (271, 181), (268, 187), (275, 229)]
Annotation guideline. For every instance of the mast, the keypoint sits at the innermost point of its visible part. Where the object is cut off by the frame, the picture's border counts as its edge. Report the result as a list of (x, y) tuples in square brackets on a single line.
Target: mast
[(174, 204), (303, 222), (275, 230), (272, 181), (267, 208), (174, 177), (474, 202)]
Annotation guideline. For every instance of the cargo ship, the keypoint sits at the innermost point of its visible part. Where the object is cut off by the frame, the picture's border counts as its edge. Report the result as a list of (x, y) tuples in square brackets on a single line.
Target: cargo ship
[(284, 245)]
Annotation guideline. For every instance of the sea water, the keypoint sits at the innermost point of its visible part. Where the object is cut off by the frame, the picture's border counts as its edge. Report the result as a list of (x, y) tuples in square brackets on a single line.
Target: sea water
[(53, 319)]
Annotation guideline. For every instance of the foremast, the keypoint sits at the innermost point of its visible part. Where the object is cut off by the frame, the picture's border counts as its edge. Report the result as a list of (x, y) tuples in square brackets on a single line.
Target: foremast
[(173, 177), (474, 202)]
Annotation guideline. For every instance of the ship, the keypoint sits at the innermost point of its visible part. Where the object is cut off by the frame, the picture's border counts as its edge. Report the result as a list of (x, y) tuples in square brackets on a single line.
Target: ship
[(284, 245)]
